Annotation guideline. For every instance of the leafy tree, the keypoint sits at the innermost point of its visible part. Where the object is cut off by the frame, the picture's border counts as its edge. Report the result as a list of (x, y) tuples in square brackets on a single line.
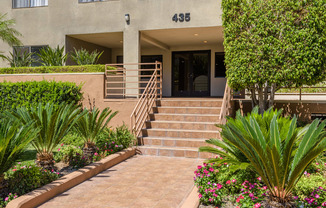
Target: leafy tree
[(273, 147), (271, 44), (8, 34), (83, 57), (52, 56)]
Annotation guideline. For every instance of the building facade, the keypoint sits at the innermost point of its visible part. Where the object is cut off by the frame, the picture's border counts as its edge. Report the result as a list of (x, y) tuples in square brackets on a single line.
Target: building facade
[(186, 35)]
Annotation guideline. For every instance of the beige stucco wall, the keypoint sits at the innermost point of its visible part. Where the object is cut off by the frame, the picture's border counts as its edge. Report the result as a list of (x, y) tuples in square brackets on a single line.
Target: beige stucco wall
[(93, 88)]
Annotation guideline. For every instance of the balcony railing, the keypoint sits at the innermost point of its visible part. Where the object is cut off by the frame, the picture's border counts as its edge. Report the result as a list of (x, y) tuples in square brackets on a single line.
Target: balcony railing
[(87, 1), (29, 3)]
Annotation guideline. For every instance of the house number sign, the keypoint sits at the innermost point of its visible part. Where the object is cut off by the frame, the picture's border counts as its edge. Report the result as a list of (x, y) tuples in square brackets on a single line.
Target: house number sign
[(181, 17)]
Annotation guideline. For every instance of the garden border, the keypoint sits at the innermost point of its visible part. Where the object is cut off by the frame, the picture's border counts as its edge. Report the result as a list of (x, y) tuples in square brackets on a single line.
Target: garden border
[(192, 200), (43, 194)]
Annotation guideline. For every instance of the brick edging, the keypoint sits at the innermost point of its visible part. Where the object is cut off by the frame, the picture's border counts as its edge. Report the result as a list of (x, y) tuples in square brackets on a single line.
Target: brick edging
[(43, 194), (192, 200)]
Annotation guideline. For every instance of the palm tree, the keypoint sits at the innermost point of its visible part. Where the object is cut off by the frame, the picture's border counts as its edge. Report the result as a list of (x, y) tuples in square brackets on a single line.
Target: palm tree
[(7, 33), (91, 125), (54, 124), (273, 147), (14, 138)]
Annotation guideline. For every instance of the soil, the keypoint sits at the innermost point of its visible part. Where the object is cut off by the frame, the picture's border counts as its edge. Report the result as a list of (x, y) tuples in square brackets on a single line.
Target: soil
[(64, 168)]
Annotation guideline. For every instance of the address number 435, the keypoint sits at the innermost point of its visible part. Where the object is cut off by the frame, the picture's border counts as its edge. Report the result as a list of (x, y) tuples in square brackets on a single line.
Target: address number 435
[(181, 17)]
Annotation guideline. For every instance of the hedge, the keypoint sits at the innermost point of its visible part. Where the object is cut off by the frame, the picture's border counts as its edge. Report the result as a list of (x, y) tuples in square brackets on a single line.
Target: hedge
[(30, 93), (53, 69)]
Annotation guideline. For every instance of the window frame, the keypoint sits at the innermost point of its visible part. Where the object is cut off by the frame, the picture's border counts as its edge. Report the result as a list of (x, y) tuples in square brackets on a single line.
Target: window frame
[(29, 5), (30, 51)]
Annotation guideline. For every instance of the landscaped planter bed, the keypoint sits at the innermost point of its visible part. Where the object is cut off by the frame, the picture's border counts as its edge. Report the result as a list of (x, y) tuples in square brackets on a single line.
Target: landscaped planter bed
[(48, 191)]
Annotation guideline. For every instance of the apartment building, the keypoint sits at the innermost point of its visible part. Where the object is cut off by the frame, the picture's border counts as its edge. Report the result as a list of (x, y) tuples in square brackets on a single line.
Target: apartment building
[(185, 35)]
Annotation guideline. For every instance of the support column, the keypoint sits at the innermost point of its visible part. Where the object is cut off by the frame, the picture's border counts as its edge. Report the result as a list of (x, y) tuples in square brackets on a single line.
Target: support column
[(131, 54)]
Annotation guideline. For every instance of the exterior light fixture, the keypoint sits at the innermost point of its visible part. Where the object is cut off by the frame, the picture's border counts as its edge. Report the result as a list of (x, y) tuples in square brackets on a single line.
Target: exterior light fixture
[(196, 34), (127, 18), (205, 41), (121, 41)]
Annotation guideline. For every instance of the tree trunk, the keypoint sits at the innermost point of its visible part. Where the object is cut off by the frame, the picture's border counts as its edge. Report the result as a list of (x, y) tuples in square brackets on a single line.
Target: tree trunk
[(261, 101), (272, 95), (89, 150), (45, 160), (253, 97)]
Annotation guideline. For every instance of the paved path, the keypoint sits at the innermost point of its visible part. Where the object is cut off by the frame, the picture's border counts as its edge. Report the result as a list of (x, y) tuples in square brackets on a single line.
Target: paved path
[(141, 181)]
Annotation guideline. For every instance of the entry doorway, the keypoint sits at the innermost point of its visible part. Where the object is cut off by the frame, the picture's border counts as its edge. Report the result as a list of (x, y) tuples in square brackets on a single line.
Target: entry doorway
[(191, 73)]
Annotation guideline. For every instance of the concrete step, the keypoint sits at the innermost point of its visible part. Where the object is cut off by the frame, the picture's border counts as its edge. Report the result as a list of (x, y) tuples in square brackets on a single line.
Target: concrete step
[(190, 103), (173, 142), (181, 133), (187, 110), (181, 125), (173, 152), (185, 117)]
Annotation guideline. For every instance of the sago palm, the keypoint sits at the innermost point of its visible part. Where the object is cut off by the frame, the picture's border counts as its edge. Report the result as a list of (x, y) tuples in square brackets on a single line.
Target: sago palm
[(54, 124), (272, 146), (14, 138), (90, 125)]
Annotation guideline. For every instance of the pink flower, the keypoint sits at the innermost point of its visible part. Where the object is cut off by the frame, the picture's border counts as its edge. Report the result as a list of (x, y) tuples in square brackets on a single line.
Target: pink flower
[(59, 149), (317, 196), (14, 170), (200, 196), (95, 153), (323, 204), (62, 144), (228, 182), (15, 196), (257, 205), (199, 167), (233, 180), (259, 178), (6, 199), (210, 199)]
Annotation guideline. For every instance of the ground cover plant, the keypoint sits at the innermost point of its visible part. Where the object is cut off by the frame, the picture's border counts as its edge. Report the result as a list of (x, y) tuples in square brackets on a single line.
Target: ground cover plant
[(278, 152)]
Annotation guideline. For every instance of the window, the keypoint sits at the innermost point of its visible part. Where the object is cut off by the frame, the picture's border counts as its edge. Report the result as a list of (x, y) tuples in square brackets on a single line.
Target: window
[(31, 49), (86, 1), (29, 3), (219, 65)]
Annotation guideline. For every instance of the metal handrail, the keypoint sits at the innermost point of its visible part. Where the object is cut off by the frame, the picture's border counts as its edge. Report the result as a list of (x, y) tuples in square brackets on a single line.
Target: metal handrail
[(147, 100), (117, 84), (226, 104)]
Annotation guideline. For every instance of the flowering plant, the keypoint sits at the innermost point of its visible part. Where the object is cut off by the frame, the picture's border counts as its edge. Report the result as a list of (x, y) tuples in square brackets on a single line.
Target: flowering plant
[(10, 197), (210, 192), (23, 179), (317, 198), (251, 194)]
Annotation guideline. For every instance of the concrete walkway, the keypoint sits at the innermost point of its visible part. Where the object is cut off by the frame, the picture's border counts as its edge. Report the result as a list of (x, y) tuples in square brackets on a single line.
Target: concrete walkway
[(140, 181)]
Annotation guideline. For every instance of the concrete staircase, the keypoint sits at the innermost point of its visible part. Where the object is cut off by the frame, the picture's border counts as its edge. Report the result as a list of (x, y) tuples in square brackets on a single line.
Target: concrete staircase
[(178, 126)]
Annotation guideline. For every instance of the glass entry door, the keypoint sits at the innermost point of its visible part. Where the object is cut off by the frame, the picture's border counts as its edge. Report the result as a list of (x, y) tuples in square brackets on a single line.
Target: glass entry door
[(191, 73)]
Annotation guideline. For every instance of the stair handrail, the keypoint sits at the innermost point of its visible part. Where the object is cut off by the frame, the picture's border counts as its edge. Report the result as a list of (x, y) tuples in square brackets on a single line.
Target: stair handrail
[(226, 104), (146, 101)]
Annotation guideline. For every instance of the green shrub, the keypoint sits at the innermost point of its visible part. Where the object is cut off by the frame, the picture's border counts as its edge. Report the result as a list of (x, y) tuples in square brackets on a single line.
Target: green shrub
[(83, 57), (66, 153), (52, 56), (73, 138), (20, 58), (24, 179), (121, 136), (307, 184), (54, 69), (30, 93)]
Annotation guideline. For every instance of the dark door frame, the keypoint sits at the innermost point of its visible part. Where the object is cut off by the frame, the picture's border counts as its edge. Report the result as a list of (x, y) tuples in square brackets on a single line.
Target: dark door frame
[(209, 71)]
